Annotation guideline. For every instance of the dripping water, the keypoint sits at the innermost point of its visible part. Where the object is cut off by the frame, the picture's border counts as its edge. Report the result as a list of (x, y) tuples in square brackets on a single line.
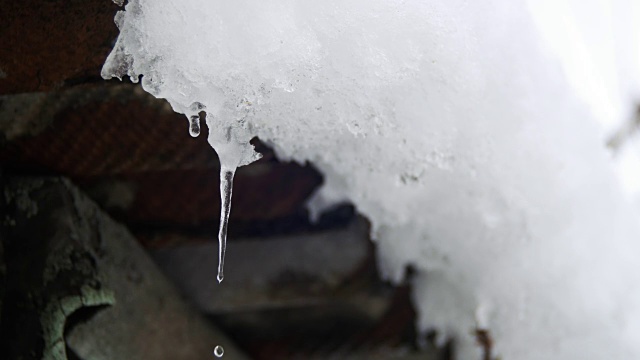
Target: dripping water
[(226, 187), (218, 351), (227, 171)]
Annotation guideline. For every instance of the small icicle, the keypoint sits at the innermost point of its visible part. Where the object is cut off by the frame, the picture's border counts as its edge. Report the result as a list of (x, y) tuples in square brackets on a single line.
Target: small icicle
[(226, 187), (194, 118), (194, 125)]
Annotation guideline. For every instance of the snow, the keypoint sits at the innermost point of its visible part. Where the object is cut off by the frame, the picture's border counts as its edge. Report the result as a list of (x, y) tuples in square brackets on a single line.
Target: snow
[(472, 135)]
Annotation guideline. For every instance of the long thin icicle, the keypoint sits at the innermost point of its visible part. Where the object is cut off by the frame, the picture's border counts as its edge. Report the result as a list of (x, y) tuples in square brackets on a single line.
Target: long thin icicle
[(226, 188)]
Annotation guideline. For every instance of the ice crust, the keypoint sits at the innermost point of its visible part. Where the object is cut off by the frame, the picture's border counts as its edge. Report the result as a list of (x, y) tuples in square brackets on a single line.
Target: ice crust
[(471, 134)]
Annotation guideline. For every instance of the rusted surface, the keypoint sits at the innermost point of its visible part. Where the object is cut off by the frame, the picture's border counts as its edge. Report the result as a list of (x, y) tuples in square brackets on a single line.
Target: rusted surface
[(47, 43), (111, 130), (190, 197)]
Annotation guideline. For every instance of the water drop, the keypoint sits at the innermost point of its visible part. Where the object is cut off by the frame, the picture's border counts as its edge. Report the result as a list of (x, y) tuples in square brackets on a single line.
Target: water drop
[(218, 351), (226, 187), (194, 125)]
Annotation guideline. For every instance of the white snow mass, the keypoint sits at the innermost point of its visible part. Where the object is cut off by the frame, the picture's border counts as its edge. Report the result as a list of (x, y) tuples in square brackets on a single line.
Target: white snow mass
[(471, 134)]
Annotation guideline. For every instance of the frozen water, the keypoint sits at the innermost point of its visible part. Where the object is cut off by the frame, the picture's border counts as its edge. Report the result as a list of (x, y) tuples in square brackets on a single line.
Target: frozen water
[(226, 187), (194, 118), (471, 134), (194, 125)]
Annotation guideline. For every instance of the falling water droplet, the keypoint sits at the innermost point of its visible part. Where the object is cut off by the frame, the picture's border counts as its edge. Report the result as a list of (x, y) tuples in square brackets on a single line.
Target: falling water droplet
[(218, 351), (194, 125), (226, 187)]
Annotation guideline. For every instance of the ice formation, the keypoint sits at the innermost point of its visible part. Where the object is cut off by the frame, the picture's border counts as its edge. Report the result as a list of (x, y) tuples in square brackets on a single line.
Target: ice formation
[(226, 187), (471, 134)]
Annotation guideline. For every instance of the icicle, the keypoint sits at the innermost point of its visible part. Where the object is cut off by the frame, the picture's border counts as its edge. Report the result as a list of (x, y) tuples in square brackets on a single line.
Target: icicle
[(194, 125), (226, 187), (194, 118)]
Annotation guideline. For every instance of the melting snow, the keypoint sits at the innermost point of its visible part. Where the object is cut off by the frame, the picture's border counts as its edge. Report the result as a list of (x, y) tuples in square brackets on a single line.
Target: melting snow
[(471, 134)]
